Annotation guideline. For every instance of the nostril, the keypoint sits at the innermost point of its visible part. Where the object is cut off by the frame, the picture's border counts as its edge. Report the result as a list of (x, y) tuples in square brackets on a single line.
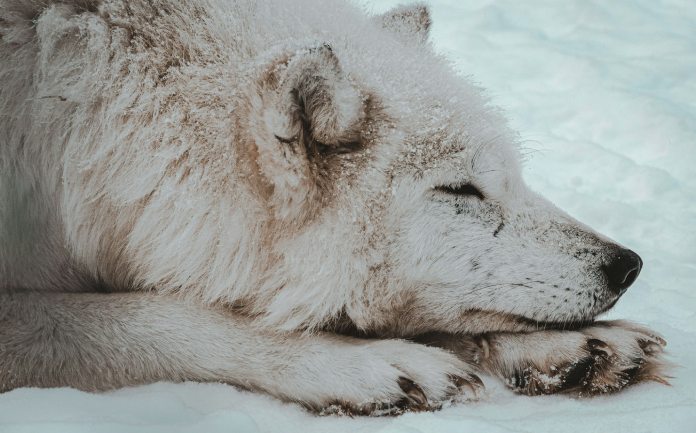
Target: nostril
[(623, 270), (630, 277)]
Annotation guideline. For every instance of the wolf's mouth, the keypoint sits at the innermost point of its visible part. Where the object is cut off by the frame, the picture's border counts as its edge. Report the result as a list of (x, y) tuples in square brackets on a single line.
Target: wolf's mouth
[(565, 325), (484, 321), (491, 321)]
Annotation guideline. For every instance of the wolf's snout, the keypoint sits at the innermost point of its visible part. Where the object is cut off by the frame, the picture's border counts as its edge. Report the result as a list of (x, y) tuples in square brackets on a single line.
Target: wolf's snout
[(623, 270)]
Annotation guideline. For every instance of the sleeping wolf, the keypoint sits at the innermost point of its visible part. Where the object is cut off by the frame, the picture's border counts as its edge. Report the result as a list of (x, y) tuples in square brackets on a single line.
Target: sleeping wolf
[(289, 196)]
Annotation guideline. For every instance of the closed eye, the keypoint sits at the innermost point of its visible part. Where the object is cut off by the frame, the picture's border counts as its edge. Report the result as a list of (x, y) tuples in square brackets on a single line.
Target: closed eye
[(464, 189)]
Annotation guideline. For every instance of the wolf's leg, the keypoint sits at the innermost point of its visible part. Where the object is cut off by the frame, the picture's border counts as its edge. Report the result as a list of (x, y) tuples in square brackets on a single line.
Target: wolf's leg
[(101, 341), (602, 358)]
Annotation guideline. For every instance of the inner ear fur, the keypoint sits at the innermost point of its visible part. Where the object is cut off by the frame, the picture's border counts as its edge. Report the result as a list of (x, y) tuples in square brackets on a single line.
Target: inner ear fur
[(325, 109), (410, 21)]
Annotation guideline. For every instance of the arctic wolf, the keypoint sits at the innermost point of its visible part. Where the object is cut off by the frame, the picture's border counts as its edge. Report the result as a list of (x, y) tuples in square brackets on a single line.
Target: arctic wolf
[(289, 196)]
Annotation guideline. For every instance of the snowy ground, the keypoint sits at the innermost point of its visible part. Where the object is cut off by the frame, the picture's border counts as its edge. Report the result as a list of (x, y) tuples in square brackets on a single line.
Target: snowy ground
[(604, 95)]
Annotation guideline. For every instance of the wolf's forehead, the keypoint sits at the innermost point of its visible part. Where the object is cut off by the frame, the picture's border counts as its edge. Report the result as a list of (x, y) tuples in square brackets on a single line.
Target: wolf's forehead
[(444, 149), (452, 129)]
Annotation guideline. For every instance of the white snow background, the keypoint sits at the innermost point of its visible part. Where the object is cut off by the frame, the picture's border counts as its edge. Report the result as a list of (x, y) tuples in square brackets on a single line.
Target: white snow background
[(603, 93)]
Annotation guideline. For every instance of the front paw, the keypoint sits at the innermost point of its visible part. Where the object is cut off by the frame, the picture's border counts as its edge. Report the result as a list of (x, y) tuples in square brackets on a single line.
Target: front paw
[(610, 356), (390, 377)]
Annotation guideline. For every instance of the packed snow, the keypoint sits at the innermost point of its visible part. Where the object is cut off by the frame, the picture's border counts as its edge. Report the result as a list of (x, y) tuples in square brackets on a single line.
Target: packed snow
[(604, 96)]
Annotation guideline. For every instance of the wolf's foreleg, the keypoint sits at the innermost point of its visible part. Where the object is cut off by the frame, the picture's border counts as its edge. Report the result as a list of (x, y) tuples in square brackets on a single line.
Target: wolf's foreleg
[(97, 341)]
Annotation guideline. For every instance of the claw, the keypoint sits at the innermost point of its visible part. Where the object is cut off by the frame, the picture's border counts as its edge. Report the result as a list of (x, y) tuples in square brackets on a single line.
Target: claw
[(650, 347), (660, 340), (460, 382), (472, 382), (477, 381), (598, 347), (414, 392), (651, 336)]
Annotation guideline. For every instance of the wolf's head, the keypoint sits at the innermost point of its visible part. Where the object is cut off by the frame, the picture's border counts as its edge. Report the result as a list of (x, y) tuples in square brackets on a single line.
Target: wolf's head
[(399, 202)]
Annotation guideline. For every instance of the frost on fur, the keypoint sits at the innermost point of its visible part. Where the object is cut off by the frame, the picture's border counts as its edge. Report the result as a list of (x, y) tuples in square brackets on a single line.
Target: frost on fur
[(411, 22)]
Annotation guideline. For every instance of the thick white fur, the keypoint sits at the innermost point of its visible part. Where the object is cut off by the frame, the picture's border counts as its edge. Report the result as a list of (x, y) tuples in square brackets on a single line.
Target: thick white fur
[(279, 159)]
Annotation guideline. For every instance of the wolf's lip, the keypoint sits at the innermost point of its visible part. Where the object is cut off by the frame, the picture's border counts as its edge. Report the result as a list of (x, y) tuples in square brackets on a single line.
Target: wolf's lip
[(500, 321), (566, 325)]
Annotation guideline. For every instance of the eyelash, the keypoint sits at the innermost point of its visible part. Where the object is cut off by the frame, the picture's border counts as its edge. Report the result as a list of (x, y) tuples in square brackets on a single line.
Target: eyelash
[(465, 189)]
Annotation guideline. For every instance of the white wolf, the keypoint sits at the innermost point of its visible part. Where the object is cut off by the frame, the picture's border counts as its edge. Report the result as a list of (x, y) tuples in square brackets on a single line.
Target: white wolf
[(276, 195)]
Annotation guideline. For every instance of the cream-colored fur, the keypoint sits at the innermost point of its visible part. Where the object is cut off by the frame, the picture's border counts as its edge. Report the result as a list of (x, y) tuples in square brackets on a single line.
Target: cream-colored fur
[(254, 178)]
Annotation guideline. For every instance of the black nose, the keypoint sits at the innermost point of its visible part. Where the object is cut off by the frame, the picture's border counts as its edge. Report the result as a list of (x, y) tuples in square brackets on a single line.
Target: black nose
[(623, 270)]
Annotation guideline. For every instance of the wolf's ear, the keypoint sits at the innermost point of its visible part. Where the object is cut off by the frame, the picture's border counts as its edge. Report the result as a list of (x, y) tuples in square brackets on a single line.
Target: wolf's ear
[(411, 21), (324, 107), (307, 110)]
